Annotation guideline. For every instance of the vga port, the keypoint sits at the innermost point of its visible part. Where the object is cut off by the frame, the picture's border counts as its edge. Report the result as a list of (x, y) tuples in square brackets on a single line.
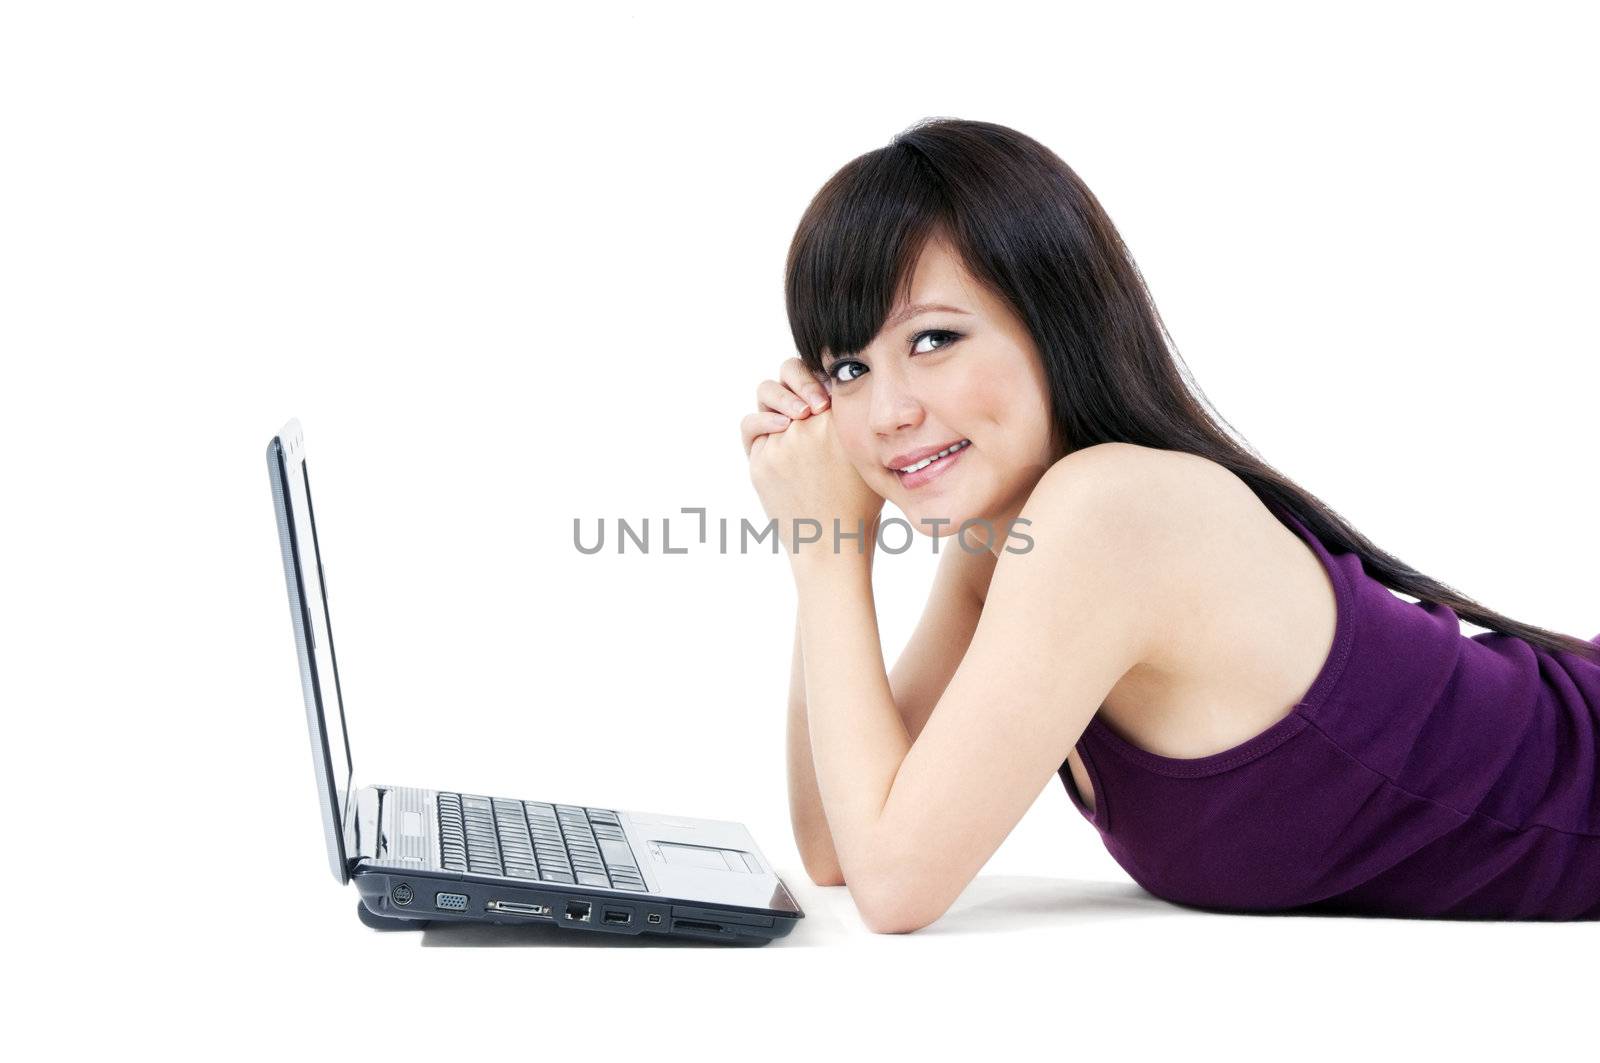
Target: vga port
[(450, 902)]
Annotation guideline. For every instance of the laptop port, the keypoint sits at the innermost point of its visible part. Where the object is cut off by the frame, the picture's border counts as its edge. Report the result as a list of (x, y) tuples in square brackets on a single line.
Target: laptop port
[(619, 918), (578, 911), (401, 893), (450, 902), (653, 917), (517, 908)]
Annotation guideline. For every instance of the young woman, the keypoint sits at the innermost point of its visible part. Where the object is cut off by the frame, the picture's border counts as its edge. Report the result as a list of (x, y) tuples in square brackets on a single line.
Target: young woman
[(1209, 658)]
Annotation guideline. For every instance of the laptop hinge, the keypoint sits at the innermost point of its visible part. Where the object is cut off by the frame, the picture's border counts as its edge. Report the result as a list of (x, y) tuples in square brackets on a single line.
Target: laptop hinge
[(366, 824)]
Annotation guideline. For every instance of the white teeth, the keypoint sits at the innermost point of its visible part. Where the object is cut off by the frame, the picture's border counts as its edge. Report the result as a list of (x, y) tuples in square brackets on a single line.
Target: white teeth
[(925, 462)]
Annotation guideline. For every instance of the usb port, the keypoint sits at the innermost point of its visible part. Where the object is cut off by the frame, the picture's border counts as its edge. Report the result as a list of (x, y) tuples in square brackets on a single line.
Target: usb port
[(620, 918)]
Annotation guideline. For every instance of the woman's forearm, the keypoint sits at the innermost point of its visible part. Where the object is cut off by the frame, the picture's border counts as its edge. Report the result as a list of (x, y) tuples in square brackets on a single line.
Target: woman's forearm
[(805, 803), (858, 735)]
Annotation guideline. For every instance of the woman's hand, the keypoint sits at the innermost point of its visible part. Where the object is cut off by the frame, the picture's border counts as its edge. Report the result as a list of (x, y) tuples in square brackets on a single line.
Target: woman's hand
[(801, 472), (794, 395)]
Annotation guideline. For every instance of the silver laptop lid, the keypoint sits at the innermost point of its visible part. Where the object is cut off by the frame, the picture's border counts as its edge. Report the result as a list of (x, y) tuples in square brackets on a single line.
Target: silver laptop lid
[(313, 639)]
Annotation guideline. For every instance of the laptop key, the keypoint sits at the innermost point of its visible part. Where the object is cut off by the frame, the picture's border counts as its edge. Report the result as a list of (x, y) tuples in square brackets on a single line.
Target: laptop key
[(617, 854)]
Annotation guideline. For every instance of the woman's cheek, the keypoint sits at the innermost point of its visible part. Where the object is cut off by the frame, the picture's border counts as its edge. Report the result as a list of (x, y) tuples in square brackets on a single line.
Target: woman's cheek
[(978, 398), (858, 448)]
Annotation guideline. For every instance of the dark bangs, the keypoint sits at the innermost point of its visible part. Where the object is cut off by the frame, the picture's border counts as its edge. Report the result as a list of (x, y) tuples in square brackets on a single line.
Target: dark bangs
[(855, 248)]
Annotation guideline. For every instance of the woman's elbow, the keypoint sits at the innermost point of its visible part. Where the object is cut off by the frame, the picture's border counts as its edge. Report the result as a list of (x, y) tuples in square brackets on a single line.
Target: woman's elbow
[(822, 872), (893, 909), (894, 922), (823, 876)]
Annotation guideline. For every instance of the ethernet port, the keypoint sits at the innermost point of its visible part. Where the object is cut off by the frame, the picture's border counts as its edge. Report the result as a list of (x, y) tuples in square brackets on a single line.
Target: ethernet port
[(578, 911)]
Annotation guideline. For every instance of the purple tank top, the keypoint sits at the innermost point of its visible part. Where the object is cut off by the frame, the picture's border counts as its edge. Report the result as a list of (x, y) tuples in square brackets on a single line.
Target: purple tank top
[(1426, 774)]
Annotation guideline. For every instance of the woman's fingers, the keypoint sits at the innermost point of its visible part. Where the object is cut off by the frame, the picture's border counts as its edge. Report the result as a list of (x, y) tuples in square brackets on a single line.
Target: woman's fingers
[(795, 394), (797, 378), (771, 395), (760, 423)]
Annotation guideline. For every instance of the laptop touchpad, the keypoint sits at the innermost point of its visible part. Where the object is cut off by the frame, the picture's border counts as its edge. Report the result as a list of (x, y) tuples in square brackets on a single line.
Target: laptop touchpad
[(704, 856)]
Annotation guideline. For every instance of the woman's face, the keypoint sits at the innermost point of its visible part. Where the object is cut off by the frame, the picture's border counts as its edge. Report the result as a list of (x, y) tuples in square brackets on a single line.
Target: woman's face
[(968, 374)]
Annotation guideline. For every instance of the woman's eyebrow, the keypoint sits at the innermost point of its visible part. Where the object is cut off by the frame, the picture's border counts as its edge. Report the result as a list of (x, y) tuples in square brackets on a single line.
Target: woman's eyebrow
[(921, 308)]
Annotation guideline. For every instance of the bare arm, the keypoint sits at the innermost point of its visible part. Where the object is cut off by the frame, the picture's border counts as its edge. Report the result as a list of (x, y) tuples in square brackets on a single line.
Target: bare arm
[(805, 804), (918, 680)]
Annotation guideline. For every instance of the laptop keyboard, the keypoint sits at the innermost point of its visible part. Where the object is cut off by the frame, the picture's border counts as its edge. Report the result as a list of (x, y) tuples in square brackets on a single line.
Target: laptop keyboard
[(536, 840)]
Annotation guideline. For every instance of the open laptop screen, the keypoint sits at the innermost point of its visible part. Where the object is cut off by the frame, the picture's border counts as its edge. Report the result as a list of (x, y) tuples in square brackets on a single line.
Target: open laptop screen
[(319, 670)]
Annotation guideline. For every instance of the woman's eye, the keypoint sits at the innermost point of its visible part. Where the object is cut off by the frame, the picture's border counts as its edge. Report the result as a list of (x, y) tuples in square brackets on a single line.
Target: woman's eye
[(837, 366), (949, 337)]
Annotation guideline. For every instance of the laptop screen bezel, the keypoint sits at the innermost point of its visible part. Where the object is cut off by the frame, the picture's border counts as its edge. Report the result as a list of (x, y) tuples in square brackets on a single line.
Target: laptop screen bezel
[(286, 460)]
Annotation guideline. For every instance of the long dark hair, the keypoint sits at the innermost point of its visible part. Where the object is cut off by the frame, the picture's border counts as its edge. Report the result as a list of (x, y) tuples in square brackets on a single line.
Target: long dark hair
[(1030, 230)]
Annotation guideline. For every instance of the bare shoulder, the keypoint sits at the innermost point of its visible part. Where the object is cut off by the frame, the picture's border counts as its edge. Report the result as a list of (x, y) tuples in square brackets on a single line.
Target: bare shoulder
[(1241, 611), (1168, 493), (1199, 541), (1138, 478), (1115, 522), (1168, 503)]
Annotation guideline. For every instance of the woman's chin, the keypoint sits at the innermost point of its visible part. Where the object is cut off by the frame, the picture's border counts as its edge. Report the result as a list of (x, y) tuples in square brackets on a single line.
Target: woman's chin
[(936, 524)]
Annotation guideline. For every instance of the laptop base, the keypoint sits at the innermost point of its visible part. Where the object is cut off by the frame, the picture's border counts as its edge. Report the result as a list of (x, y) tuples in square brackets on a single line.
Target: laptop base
[(379, 922), (440, 898)]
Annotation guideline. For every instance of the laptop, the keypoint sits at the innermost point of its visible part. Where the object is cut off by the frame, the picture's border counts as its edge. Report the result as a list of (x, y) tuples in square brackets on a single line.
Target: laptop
[(420, 856)]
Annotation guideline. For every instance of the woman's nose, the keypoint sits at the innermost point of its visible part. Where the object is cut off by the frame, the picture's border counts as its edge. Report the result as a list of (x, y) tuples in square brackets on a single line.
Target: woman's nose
[(893, 408)]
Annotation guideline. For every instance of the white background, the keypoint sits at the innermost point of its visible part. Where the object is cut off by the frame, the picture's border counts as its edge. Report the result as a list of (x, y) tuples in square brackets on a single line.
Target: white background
[(511, 267)]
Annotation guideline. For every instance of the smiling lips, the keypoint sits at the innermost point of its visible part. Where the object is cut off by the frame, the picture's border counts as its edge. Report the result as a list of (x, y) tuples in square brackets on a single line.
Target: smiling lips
[(920, 471), (910, 462)]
